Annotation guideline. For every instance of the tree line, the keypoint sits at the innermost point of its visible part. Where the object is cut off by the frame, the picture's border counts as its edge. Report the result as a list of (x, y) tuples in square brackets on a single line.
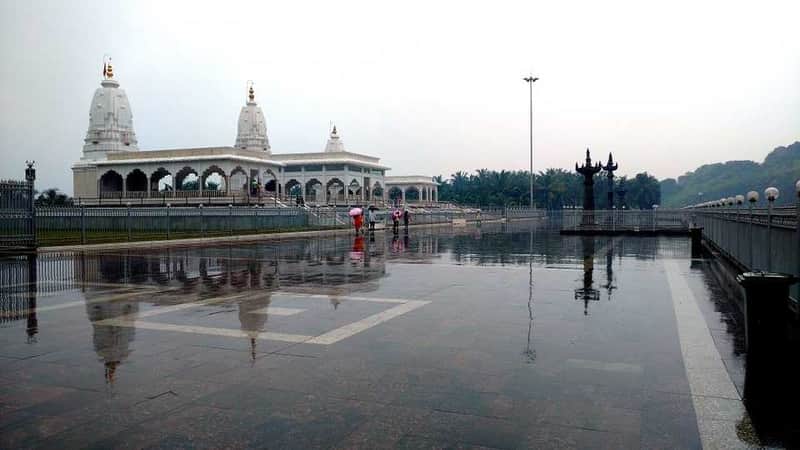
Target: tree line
[(553, 189)]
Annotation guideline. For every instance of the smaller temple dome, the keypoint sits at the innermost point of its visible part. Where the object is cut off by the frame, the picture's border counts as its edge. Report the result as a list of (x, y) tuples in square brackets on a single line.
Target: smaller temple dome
[(335, 143), (110, 120), (252, 129)]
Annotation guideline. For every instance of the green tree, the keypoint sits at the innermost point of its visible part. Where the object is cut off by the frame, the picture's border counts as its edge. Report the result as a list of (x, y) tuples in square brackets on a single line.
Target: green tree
[(52, 197)]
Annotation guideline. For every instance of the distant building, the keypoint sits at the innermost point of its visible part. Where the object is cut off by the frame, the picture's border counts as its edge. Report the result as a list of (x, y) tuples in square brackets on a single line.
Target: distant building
[(113, 167)]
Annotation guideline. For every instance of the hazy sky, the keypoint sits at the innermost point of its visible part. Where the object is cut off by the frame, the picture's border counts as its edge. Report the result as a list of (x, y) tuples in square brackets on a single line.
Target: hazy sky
[(430, 87)]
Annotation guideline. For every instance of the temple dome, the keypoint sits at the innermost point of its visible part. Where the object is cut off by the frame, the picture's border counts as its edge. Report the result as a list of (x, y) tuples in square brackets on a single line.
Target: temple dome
[(252, 130), (335, 143), (110, 120)]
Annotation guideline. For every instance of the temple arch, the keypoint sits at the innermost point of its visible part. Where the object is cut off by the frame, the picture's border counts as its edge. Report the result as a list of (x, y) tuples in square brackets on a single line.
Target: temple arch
[(238, 180), (377, 190), (161, 180), (412, 194), (335, 190), (395, 193), (136, 181), (214, 179), (111, 184), (187, 179), (293, 188)]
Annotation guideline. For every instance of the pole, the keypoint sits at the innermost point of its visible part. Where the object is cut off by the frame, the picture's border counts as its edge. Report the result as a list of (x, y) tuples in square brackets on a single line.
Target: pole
[(530, 80), (530, 96)]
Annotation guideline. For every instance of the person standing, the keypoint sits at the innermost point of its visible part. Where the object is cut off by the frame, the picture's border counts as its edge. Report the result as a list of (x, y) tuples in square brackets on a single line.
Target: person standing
[(371, 218), (396, 221), (406, 219), (358, 220)]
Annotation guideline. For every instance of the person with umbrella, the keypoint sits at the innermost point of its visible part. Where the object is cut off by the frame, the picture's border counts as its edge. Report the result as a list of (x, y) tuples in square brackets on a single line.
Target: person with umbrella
[(358, 218), (396, 221)]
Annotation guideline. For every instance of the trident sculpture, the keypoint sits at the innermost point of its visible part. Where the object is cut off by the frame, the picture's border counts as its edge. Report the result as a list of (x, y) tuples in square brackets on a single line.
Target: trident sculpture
[(588, 171), (610, 167)]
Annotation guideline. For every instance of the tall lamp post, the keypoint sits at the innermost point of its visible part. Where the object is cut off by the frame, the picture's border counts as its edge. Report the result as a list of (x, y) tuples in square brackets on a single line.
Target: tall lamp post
[(530, 80)]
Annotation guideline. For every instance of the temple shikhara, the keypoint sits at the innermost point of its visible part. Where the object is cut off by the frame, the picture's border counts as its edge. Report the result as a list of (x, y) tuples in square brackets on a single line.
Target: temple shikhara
[(113, 167)]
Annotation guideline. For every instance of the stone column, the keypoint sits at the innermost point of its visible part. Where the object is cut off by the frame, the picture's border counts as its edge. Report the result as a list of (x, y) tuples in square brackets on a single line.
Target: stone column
[(403, 194)]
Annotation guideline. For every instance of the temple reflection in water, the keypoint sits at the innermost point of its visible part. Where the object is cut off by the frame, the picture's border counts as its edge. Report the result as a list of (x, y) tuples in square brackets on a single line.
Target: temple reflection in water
[(333, 266)]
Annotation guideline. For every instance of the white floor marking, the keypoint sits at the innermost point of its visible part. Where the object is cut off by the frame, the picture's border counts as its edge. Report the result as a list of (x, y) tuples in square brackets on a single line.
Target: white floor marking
[(64, 305), (716, 401), (346, 331), (134, 320), (172, 308), (226, 332), (341, 297), (277, 311)]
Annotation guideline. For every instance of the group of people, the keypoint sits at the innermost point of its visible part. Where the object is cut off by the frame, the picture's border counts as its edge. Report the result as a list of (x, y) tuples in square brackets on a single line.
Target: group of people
[(370, 216)]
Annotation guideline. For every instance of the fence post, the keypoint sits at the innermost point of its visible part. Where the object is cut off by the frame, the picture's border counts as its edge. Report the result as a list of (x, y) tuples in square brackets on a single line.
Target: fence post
[(772, 194), (169, 205), (230, 218), (797, 225), (83, 225), (128, 221), (752, 197), (202, 221)]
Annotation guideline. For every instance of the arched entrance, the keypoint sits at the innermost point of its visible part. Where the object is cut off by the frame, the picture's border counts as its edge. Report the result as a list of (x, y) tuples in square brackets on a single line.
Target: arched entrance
[(111, 185), (161, 180), (315, 191), (354, 191), (395, 194), (335, 191), (214, 180), (293, 188), (136, 184), (187, 180), (377, 191), (412, 194), (238, 181)]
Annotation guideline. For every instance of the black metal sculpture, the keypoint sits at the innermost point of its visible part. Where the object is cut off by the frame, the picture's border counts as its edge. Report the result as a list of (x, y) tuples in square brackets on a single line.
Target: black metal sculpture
[(588, 171), (610, 167)]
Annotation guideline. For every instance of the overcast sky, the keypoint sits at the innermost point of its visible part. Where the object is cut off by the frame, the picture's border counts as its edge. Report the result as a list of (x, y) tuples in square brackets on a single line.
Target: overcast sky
[(430, 87)]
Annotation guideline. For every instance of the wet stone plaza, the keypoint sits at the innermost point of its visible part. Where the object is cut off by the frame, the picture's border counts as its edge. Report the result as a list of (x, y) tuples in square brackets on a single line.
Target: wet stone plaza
[(498, 336)]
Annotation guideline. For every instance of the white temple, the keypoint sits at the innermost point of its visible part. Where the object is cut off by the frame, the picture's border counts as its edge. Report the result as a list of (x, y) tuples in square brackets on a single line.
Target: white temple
[(113, 169)]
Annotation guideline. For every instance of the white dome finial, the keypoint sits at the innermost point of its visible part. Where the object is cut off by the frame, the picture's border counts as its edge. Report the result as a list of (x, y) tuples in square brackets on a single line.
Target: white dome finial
[(252, 129), (334, 144), (110, 119)]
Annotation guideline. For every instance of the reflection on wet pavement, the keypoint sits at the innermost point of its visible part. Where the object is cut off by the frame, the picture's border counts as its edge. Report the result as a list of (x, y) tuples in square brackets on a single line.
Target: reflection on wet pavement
[(500, 336)]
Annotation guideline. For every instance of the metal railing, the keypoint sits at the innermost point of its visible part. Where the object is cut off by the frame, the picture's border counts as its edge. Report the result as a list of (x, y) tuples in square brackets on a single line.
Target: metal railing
[(758, 239), (69, 225), (626, 220)]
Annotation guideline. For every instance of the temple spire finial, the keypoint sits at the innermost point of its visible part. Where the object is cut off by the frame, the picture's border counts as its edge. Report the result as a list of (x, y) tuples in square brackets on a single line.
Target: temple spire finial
[(108, 69), (251, 93)]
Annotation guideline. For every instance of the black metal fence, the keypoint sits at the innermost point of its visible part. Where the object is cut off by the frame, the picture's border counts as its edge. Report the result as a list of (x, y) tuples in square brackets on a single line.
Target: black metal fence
[(17, 225)]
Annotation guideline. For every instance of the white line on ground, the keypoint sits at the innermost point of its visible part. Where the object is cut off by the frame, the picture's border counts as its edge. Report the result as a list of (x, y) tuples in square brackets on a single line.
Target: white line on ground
[(342, 297), (277, 311), (346, 331), (64, 305), (226, 332), (716, 401), (134, 320)]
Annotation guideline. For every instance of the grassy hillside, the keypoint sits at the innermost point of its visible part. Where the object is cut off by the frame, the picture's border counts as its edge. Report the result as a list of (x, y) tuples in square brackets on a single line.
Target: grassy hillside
[(781, 168)]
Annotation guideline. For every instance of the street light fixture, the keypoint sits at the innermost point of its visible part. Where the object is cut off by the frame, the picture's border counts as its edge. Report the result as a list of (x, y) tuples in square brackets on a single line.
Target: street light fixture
[(530, 80)]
